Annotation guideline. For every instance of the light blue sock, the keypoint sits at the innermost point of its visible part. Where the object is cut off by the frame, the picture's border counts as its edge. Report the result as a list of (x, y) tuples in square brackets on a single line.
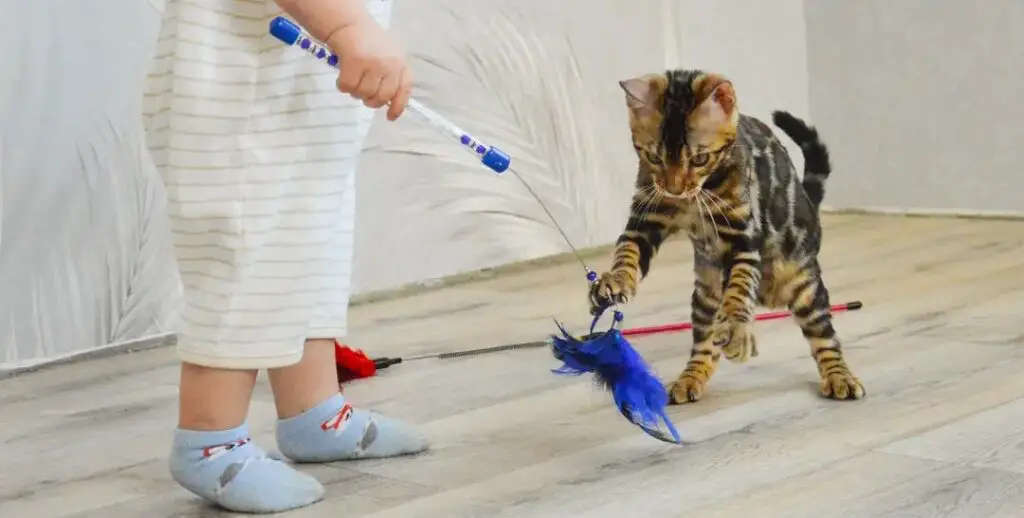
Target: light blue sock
[(224, 467), (333, 430)]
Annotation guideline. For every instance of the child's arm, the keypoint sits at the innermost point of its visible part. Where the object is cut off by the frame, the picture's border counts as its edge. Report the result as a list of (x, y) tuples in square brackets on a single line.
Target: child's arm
[(323, 18)]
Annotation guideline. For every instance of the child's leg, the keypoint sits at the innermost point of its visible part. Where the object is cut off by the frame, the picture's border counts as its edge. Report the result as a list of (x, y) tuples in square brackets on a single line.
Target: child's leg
[(316, 423), (212, 455), (213, 399), (252, 199)]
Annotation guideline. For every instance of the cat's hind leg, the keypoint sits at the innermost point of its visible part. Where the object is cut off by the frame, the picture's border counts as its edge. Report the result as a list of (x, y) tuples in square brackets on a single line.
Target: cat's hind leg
[(810, 306), (704, 354)]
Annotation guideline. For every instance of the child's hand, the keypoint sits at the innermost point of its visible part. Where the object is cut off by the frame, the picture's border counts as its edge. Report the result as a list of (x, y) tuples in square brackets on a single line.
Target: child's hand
[(372, 66)]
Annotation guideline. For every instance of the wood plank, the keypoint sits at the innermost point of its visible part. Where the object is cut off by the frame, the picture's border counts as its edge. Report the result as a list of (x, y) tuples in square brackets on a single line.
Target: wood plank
[(992, 438), (876, 484)]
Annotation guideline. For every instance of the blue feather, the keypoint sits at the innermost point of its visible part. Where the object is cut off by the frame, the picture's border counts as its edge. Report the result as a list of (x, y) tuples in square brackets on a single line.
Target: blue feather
[(618, 368)]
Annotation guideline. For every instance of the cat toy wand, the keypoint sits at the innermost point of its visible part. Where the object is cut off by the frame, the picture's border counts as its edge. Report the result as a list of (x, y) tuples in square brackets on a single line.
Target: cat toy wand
[(638, 394), (387, 361)]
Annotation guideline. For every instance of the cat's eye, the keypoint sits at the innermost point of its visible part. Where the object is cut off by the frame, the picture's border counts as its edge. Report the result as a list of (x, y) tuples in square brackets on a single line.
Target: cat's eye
[(699, 160), (653, 159)]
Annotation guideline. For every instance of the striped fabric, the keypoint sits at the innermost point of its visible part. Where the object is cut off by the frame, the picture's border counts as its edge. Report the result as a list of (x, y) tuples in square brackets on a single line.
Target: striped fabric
[(258, 152)]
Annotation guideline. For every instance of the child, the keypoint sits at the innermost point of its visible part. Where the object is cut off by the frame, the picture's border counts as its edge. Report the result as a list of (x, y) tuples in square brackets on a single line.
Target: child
[(258, 153)]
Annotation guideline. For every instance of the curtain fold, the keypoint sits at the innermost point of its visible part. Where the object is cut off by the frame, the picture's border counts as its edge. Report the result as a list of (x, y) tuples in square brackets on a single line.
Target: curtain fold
[(84, 249)]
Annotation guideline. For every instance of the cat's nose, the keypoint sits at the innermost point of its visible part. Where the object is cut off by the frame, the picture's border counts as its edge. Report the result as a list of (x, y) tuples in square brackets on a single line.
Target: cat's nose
[(676, 190), (676, 187)]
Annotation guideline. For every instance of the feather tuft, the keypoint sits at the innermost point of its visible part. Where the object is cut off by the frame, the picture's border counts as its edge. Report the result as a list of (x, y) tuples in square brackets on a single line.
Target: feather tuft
[(618, 368)]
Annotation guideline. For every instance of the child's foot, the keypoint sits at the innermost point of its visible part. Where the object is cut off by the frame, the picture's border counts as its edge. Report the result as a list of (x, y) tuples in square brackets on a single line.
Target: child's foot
[(224, 467), (333, 430)]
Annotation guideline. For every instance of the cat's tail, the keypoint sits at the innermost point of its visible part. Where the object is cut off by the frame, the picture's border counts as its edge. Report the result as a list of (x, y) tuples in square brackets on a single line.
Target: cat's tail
[(816, 162)]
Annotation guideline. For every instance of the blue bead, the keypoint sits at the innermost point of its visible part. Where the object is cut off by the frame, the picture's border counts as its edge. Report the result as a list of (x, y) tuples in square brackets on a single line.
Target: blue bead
[(591, 276), (619, 316), (333, 60), (464, 140), (305, 43), (495, 159), (284, 30), (320, 54)]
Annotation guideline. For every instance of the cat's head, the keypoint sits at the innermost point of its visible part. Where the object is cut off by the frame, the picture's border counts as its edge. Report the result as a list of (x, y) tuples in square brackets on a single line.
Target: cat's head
[(683, 124)]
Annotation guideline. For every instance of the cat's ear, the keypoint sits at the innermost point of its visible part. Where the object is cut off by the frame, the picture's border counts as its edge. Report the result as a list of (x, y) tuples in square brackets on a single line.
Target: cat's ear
[(642, 95), (717, 99), (724, 95)]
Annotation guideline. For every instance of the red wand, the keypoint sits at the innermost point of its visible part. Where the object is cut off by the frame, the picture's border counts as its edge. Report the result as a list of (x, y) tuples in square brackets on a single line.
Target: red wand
[(353, 363), (772, 315)]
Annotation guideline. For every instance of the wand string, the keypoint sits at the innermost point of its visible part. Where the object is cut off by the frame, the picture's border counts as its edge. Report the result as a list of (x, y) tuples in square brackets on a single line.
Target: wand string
[(491, 157)]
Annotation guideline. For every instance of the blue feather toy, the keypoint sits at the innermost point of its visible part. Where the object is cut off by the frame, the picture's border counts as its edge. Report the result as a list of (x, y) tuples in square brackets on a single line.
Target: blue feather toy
[(617, 367)]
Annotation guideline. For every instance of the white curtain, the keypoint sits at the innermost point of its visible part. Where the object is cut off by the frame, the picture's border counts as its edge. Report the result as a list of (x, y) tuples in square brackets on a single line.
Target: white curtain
[(84, 257)]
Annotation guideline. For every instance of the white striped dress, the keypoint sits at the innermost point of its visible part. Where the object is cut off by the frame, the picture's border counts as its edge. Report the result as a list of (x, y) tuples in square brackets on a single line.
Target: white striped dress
[(258, 151)]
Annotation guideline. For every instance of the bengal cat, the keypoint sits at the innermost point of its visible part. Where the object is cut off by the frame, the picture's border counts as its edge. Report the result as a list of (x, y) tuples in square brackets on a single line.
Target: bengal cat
[(727, 181)]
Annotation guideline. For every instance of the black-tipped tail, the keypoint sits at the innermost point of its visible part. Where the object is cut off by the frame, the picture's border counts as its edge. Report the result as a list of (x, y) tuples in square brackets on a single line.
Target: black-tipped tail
[(816, 162)]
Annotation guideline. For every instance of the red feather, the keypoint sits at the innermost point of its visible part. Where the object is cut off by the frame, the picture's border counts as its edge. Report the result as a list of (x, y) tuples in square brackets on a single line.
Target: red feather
[(352, 363)]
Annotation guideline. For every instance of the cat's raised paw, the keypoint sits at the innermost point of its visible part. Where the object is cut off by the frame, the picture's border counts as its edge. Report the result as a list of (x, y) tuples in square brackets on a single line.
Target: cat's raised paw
[(687, 389), (737, 341), (842, 386), (611, 288)]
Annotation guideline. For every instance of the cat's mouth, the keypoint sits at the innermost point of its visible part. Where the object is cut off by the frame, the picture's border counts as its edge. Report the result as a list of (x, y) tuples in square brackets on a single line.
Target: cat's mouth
[(685, 194)]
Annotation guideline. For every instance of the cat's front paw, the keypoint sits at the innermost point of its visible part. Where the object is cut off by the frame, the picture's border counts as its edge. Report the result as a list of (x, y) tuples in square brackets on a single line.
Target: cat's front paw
[(611, 288), (737, 340)]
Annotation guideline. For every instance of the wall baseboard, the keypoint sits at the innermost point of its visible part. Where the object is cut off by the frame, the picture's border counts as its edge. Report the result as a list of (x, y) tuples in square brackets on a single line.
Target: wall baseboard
[(141, 344), (925, 213)]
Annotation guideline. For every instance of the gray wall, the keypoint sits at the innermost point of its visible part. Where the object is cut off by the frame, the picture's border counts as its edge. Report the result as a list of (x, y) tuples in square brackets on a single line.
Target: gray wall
[(921, 102)]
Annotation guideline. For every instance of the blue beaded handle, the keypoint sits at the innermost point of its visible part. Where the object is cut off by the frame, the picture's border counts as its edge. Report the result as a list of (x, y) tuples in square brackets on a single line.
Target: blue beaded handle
[(491, 157)]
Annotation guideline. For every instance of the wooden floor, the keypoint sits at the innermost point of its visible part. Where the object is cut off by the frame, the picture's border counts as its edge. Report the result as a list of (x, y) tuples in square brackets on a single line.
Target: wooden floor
[(939, 346)]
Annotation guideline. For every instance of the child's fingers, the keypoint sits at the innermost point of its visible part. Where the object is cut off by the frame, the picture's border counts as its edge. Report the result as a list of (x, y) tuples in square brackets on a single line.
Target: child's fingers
[(349, 78), (401, 98), (368, 90), (388, 88)]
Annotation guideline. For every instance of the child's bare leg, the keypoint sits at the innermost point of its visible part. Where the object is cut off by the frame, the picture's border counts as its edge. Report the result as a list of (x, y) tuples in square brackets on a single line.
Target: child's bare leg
[(316, 424), (213, 399), (300, 387)]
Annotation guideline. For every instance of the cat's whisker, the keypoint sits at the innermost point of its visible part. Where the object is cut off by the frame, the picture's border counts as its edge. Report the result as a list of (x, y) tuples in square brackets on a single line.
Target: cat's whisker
[(702, 209), (718, 205), (649, 201), (711, 215), (700, 214), (642, 197), (716, 199), (654, 198)]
